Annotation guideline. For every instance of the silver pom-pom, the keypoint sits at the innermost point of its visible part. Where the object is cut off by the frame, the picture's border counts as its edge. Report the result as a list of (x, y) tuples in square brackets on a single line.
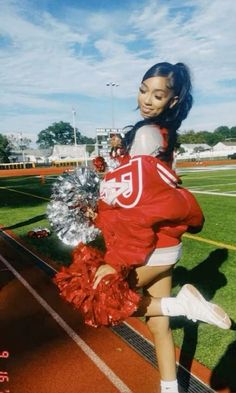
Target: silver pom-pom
[(112, 163), (73, 202)]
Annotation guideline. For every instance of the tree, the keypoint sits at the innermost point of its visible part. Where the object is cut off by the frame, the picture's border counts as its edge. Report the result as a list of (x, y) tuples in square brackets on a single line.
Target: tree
[(90, 148), (198, 149), (188, 137), (18, 142), (5, 148), (220, 134), (222, 130), (61, 133), (208, 137), (233, 132), (180, 150)]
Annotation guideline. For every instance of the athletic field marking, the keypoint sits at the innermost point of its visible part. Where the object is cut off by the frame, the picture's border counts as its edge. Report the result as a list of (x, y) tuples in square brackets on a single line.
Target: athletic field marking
[(215, 243), (25, 193), (186, 235), (195, 189), (113, 378), (213, 193), (212, 185), (28, 250), (209, 175)]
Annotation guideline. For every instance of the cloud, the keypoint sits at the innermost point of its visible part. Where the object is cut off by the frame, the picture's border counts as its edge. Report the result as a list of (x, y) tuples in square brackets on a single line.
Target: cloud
[(202, 36), (209, 117), (51, 62)]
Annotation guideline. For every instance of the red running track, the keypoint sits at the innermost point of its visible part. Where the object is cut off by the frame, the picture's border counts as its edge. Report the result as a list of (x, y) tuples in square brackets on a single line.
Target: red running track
[(46, 341), (52, 351)]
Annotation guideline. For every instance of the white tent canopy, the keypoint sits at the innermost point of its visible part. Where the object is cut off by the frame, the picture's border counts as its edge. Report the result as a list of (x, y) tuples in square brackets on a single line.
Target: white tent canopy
[(68, 152)]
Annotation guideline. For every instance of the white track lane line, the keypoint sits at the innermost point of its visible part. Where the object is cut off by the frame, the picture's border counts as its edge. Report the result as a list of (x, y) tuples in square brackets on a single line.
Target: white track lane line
[(113, 378), (27, 249)]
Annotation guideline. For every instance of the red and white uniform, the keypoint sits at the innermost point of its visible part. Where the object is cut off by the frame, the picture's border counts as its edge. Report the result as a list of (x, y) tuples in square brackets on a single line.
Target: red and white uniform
[(142, 207), (150, 180), (152, 140)]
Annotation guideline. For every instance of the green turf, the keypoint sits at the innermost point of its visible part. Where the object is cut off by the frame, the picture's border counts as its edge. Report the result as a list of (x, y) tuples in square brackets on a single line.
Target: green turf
[(210, 268)]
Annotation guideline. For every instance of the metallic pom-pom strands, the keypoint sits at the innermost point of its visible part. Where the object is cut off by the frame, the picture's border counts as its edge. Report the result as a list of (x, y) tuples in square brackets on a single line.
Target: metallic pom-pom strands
[(112, 163), (73, 195)]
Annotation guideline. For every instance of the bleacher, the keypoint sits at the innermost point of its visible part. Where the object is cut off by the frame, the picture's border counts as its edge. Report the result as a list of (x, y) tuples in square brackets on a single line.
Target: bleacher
[(17, 165)]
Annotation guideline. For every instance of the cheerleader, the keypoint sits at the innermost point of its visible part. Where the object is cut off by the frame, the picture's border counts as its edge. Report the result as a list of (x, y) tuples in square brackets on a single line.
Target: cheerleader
[(142, 213)]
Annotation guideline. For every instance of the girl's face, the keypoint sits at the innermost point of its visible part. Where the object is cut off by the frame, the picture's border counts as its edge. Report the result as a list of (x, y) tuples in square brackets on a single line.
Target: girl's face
[(154, 96), (115, 141)]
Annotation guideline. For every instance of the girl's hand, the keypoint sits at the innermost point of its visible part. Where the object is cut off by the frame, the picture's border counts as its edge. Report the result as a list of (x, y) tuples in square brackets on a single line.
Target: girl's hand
[(101, 272), (91, 214)]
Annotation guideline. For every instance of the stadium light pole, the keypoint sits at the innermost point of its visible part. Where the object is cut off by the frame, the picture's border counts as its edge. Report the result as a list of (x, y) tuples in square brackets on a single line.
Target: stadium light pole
[(21, 145), (75, 139), (73, 114), (112, 85)]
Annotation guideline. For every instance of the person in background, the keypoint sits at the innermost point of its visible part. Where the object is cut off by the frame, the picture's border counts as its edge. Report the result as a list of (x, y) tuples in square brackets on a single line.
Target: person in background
[(116, 146)]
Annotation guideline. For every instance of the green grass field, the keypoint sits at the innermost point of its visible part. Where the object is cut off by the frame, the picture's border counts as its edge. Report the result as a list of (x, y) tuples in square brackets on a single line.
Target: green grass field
[(208, 260)]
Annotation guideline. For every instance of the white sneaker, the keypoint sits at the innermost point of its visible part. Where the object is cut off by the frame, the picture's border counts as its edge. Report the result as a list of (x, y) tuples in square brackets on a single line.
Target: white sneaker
[(198, 308)]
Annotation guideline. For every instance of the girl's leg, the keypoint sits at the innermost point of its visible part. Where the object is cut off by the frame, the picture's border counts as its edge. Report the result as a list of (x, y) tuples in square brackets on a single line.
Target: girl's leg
[(160, 282), (160, 329), (146, 277), (157, 303), (189, 302)]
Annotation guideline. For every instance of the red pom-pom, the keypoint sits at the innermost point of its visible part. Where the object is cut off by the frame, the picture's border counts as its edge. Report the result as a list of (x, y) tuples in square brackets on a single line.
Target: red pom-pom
[(110, 303), (99, 164), (38, 233)]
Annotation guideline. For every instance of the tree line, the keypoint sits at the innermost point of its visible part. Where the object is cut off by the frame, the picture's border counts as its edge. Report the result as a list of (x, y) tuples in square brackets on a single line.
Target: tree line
[(63, 133), (220, 134)]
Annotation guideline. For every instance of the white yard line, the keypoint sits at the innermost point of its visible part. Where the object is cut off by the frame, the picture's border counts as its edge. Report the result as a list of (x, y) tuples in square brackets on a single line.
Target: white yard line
[(212, 185), (196, 189), (111, 376), (206, 176), (213, 193), (24, 193), (208, 168)]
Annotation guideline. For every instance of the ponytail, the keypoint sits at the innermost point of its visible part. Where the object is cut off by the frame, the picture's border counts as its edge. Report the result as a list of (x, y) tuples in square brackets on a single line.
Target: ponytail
[(182, 88)]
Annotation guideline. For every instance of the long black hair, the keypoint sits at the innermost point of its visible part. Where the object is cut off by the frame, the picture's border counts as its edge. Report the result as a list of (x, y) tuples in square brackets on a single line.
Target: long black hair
[(179, 82)]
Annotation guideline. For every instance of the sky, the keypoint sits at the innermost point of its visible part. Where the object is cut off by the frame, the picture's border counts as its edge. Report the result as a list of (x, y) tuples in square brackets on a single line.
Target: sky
[(57, 56)]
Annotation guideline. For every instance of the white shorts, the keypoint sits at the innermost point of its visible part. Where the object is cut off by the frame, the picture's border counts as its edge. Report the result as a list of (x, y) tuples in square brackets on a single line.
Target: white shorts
[(165, 256)]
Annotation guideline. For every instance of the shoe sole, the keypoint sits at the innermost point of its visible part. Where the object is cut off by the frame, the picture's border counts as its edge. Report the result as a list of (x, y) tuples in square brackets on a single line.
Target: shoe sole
[(222, 319)]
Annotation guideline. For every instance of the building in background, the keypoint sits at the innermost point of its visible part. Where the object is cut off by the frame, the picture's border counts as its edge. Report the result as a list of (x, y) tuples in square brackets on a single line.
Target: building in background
[(225, 148), (36, 156), (68, 152), (202, 151), (48, 156)]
